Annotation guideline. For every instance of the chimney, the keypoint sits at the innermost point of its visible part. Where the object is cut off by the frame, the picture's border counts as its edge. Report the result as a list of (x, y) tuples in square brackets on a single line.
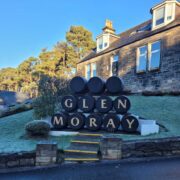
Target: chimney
[(108, 27)]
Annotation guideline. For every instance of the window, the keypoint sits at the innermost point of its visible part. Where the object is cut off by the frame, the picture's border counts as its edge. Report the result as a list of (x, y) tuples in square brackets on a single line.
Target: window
[(105, 44), (148, 56), (155, 55), (115, 58), (142, 59), (159, 15), (163, 14), (100, 43), (93, 69), (88, 71), (169, 11)]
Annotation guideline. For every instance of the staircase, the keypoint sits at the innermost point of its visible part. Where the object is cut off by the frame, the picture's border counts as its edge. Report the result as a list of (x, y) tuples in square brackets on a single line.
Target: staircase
[(84, 148)]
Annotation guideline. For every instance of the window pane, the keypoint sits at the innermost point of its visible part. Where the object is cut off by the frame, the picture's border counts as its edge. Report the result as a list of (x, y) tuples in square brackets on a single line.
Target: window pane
[(160, 16), (88, 71), (155, 46), (94, 69), (169, 11), (142, 59), (155, 55), (115, 58)]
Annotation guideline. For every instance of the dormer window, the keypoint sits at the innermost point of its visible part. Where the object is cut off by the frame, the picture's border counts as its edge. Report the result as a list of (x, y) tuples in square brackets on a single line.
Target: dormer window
[(163, 14), (159, 16)]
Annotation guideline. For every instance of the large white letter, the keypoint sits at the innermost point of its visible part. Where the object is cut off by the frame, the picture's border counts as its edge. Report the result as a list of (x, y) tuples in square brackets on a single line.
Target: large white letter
[(111, 122), (103, 103), (58, 121), (120, 103), (84, 104), (130, 123), (76, 123), (68, 103), (92, 122)]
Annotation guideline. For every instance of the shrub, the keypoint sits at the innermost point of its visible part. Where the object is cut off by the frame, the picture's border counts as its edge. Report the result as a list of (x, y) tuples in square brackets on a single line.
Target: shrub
[(38, 128), (50, 90)]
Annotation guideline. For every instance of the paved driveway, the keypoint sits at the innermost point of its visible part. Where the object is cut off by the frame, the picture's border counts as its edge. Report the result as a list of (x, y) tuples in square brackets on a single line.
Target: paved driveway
[(168, 169)]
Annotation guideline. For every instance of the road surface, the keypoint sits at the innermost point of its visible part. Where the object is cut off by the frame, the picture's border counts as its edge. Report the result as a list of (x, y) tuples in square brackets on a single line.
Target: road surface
[(166, 169)]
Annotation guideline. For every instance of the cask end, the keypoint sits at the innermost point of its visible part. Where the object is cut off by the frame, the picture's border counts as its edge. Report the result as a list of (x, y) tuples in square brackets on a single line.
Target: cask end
[(122, 104), (69, 103), (104, 104), (76, 121), (129, 123), (86, 103), (111, 122), (59, 121), (96, 85), (78, 85), (114, 85), (93, 122)]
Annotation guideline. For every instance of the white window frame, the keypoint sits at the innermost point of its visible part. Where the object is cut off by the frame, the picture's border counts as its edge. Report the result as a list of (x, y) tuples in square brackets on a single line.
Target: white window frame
[(166, 21), (86, 71), (148, 59), (150, 55), (111, 62), (138, 56), (92, 75)]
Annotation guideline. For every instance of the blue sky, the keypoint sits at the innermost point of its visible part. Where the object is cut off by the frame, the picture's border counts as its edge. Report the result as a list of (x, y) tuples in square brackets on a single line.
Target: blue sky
[(27, 26)]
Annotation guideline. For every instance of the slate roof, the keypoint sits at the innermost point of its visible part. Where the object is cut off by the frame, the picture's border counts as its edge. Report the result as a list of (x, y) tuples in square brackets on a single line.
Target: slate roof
[(132, 35)]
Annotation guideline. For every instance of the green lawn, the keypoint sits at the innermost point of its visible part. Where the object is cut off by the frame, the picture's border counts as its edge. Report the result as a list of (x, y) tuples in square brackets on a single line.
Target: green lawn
[(12, 133), (165, 109)]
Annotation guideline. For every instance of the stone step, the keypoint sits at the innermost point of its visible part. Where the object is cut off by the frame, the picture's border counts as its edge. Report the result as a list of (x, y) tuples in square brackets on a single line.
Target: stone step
[(86, 138), (70, 159), (80, 151), (92, 135), (88, 147), (85, 144), (79, 155)]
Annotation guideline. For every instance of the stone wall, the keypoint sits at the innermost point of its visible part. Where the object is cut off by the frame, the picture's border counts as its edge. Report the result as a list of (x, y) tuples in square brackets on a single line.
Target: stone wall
[(151, 148), (17, 160), (165, 79)]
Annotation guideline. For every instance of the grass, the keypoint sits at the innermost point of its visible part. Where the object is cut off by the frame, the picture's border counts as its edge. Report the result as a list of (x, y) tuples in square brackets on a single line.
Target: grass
[(165, 109), (12, 132)]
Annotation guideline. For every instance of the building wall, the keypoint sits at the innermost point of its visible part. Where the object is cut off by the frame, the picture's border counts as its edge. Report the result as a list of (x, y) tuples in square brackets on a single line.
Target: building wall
[(166, 79)]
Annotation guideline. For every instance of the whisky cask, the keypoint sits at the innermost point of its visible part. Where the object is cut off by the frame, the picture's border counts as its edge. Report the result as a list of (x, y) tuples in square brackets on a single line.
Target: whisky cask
[(104, 104), (111, 122), (69, 103), (93, 122), (96, 85), (114, 85), (76, 121), (121, 104), (86, 103), (59, 121), (129, 123), (78, 85)]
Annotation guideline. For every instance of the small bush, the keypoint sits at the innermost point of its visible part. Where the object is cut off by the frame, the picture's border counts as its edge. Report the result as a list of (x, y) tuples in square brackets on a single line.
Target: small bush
[(38, 128)]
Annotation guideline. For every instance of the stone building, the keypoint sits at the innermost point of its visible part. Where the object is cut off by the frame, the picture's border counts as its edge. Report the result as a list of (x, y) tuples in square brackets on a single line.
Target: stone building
[(146, 57)]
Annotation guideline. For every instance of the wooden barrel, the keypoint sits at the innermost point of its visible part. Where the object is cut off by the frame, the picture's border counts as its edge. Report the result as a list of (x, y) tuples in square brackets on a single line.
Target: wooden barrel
[(78, 85), (104, 104), (121, 104), (96, 85), (69, 103), (59, 121), (93, 122), (86, 103), (129, 123), (111, 122), (76, 121), (114, 85)]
